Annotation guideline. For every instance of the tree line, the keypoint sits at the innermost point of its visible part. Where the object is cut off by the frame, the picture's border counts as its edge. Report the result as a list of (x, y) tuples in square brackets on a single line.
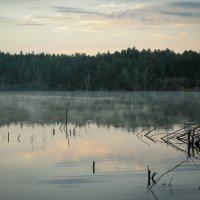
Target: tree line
[(129, 69)]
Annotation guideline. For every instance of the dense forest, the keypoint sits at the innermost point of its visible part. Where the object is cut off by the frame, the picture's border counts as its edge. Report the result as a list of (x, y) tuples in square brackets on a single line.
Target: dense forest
[(129, 69)]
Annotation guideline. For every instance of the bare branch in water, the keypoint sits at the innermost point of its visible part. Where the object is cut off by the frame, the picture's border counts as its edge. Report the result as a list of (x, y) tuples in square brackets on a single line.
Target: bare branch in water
[(167, 172), (147, 135)]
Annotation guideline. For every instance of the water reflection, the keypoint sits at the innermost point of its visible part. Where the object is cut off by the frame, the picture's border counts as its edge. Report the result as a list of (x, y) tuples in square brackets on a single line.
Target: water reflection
[(43, 157)]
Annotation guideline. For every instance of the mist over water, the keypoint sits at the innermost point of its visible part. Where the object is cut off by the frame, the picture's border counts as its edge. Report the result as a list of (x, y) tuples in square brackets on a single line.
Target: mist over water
[(120, 109)]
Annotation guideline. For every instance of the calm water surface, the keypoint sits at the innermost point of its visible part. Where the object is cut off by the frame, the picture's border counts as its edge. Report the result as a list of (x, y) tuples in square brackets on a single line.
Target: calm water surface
[(40, 159)]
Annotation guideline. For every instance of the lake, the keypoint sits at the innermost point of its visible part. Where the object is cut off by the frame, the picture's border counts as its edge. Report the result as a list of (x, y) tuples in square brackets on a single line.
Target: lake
[(99, 145)]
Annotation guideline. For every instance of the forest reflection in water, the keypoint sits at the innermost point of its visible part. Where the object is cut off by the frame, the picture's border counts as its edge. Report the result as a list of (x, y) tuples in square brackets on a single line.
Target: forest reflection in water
[(120, 132)]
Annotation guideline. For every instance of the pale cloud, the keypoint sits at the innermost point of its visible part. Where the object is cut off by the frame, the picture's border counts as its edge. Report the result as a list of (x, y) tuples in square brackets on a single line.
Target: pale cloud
[(27, 21), (113, 16), (162, 35), (168, 36), (110, 8), (68, 23)]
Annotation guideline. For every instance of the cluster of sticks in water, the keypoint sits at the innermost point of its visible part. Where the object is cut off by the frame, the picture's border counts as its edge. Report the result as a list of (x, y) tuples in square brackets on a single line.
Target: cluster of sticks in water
[(185, 139), (63, 128)]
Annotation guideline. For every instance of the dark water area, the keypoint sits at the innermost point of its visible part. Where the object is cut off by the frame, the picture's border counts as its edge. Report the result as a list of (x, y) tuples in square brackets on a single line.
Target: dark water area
[(105, 150)]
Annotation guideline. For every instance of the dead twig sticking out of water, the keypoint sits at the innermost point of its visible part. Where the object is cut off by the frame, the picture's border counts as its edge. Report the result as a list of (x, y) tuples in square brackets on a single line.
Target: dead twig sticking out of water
[(149, 182), (152, 178), (141, 131), (168, 171), (150, 138), (68, 142), (93, 167), (61, 127), (18, 138), (163, 138), (8, 137), (33, 144), (67, 138), (149, 176), (140, 136), (142, 140), (154, 182), (66, 114), (64, 126), (54, 131)]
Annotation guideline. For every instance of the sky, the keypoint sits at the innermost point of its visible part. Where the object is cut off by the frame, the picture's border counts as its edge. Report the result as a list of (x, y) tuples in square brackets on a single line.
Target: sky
[(92, 26)]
